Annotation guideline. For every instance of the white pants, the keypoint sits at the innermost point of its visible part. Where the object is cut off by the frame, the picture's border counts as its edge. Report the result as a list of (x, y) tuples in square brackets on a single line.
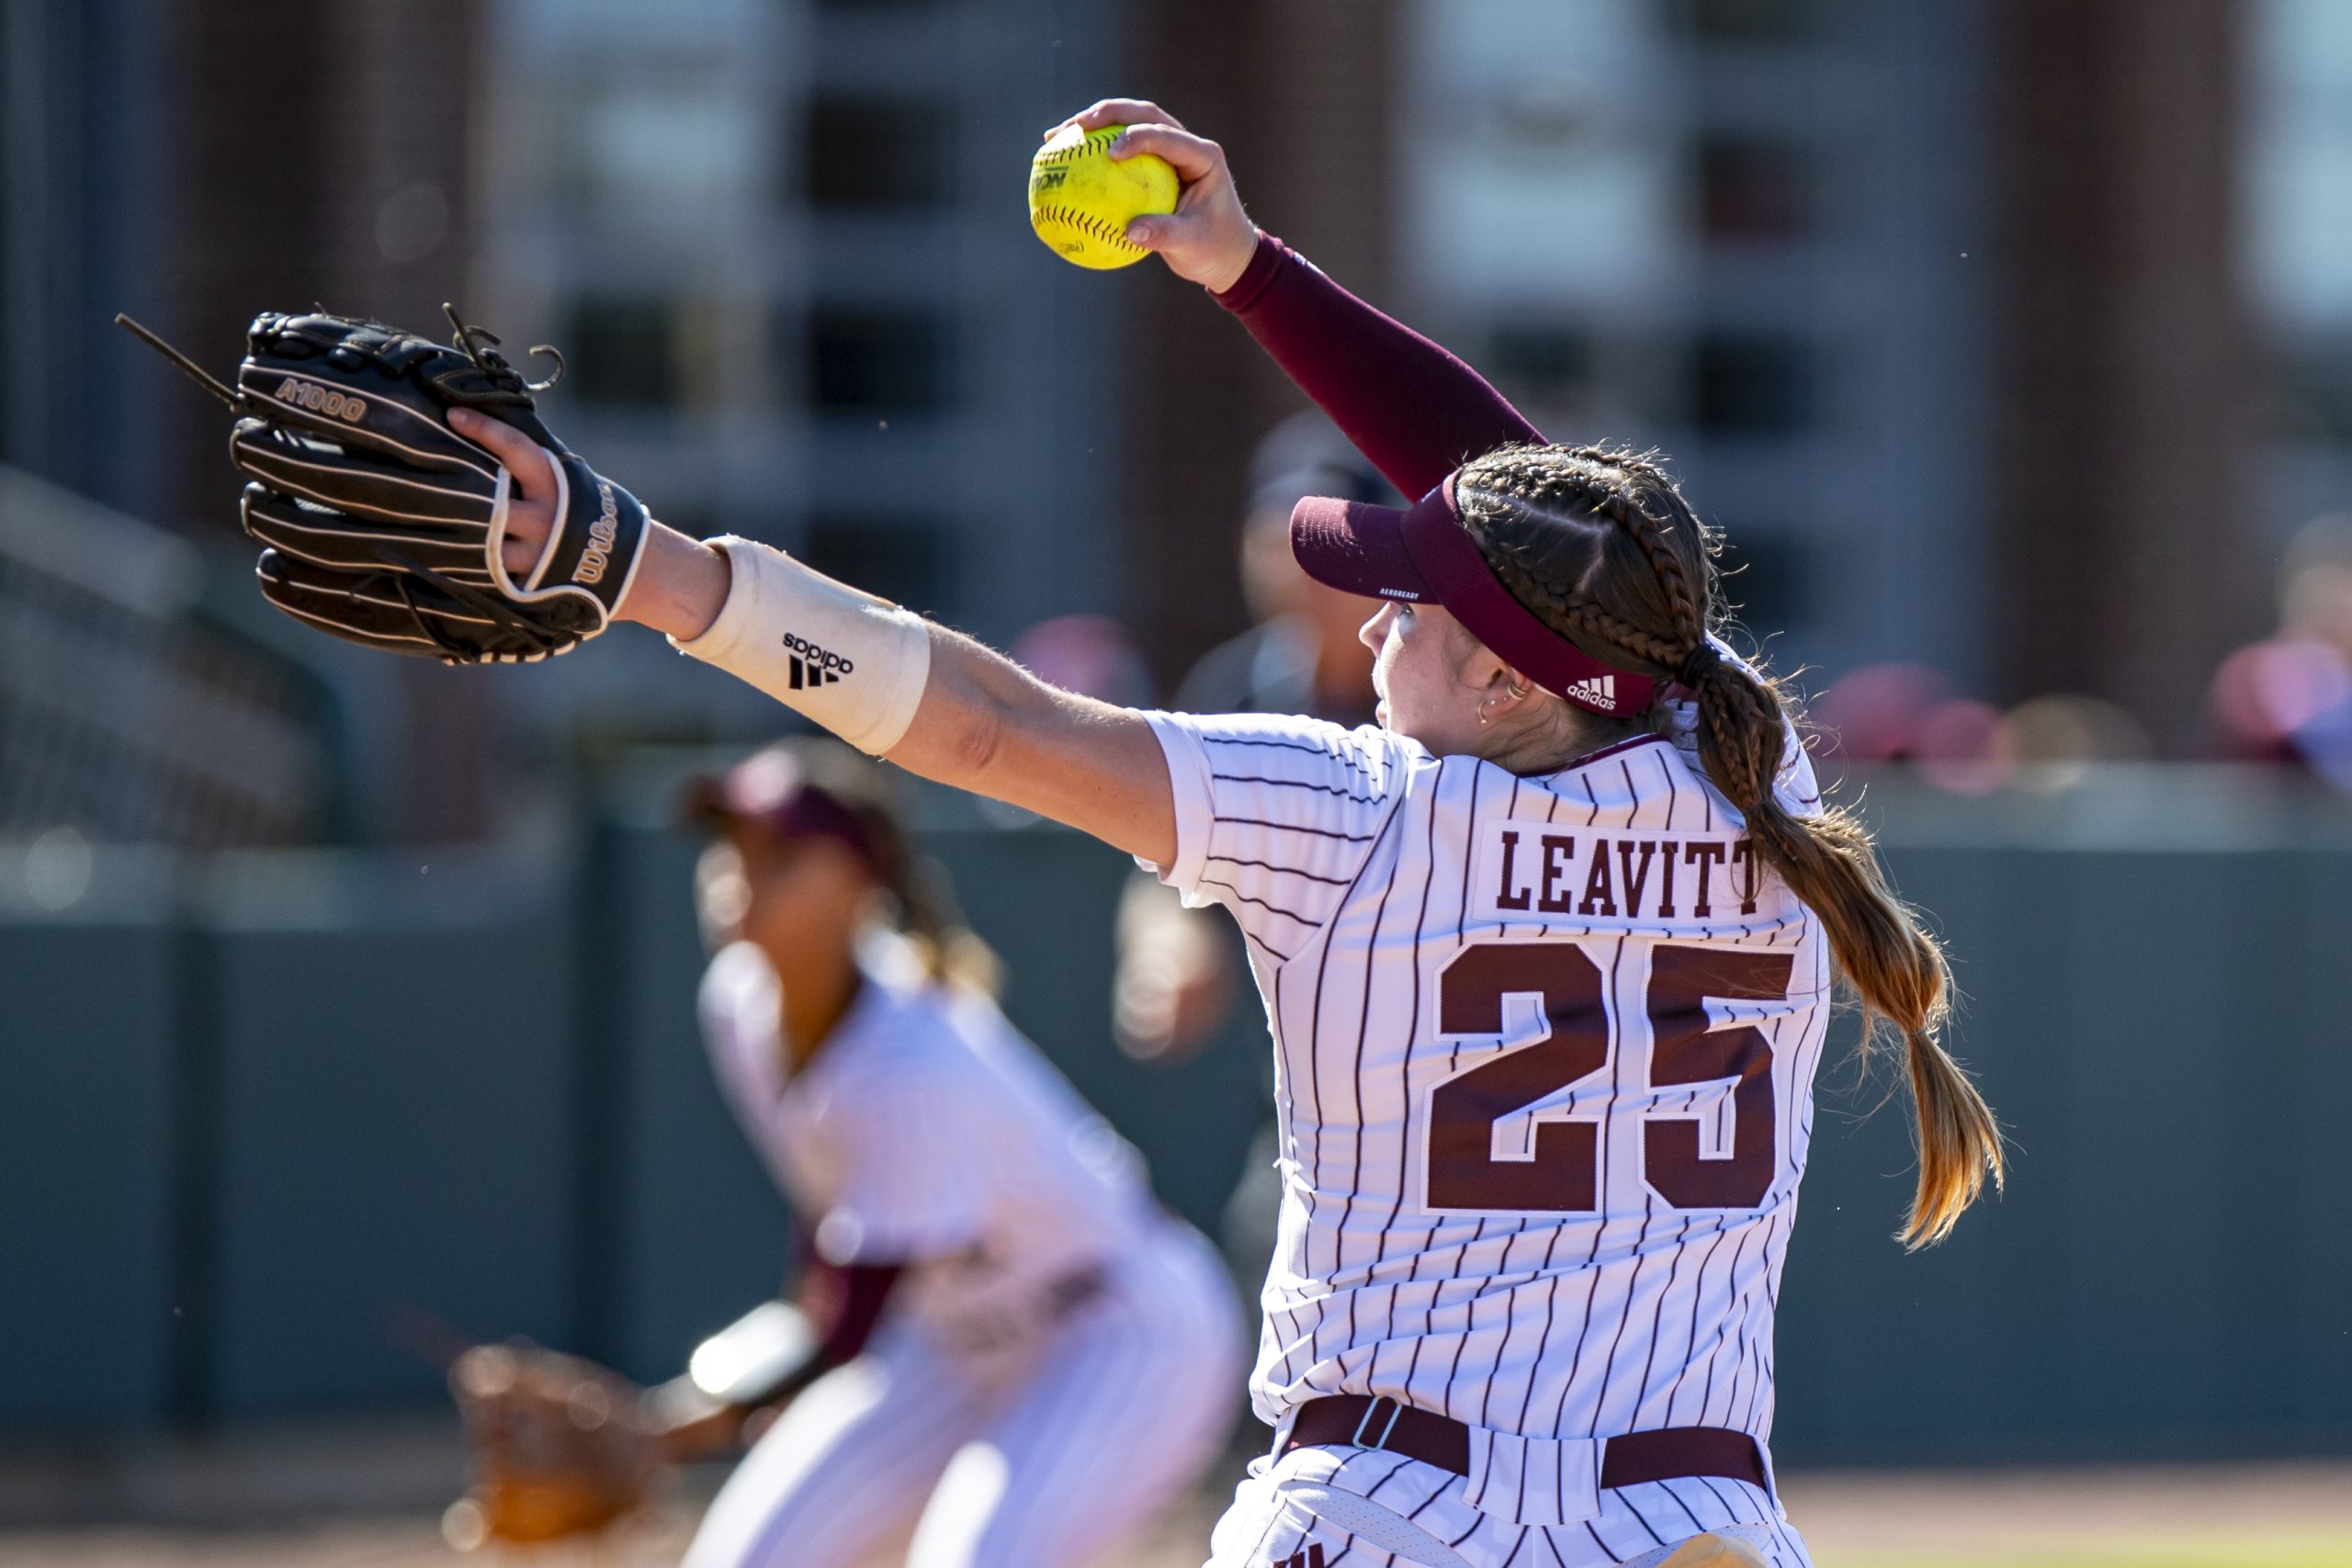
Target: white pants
[(1125, 1409), (1317, 1508)]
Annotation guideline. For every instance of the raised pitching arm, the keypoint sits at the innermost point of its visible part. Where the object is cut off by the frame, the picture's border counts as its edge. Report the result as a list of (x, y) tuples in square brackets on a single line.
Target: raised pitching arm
[(1415, 410)]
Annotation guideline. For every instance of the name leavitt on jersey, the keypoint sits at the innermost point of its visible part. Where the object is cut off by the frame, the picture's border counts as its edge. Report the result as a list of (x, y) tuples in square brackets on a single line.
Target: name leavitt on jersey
[(1543, 1050)]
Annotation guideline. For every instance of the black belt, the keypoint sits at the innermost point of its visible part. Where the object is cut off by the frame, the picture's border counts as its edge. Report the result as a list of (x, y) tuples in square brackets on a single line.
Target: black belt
[(1666, 1453)]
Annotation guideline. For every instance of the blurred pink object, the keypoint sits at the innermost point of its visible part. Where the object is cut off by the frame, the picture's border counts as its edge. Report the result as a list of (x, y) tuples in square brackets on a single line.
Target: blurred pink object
[(1873, 714), (1092, 654), (2264, 695), (1964, 746)]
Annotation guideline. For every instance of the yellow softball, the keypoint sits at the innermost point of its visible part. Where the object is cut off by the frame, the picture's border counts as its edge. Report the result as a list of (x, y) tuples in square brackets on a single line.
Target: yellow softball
[(1082, 199)]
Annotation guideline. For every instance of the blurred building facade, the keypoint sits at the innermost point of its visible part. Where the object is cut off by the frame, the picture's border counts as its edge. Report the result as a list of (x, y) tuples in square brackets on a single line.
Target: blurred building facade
[(2296, 162), (2005, 337), (194, 161), (1738, 230), (786, 249)]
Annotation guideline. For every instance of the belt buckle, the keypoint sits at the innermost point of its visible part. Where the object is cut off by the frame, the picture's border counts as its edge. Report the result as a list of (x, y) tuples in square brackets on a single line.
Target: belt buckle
[(1380, 1443)]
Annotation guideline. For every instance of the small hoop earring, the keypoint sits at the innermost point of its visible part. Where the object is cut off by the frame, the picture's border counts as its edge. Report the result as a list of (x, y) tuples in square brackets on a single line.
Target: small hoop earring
[(1484, 717)]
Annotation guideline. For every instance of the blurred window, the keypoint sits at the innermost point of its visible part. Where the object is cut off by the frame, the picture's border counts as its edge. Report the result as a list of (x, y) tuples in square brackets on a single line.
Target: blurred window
[(877, 153), (1752, 188), (1763, 575), (876, 360), (1538, 120), (1743, 21), (669, 149), (2299, 151), (900, 556), (2316, 379), (2298, 179), (1750, 384), (621, 352), (624, 18), (1539, 363)]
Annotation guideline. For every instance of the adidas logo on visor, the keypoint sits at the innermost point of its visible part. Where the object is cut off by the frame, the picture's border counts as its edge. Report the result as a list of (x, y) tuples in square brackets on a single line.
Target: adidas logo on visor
[(1595, 688)]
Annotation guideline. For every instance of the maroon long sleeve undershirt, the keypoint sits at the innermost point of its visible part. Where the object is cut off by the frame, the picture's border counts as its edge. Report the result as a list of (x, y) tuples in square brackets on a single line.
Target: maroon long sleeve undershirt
[(847, 1302), (1414, 411)]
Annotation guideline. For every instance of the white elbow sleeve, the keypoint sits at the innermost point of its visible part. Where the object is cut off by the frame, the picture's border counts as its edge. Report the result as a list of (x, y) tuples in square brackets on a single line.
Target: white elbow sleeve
[(850, 662)]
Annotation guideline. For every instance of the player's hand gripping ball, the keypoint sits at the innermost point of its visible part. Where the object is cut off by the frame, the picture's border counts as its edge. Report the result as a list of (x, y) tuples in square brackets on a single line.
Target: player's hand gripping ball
[(1082, 199)]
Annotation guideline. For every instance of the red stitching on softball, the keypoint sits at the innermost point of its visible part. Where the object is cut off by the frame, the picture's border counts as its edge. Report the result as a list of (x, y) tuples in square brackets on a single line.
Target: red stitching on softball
[(1092, 142), (1086, 224)]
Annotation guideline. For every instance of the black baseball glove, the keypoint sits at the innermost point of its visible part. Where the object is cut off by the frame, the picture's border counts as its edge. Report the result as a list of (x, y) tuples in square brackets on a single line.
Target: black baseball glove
[(384, 527)]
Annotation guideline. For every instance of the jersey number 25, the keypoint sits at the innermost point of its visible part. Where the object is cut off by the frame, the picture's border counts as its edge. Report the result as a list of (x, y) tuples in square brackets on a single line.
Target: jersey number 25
[(1563, 1177)]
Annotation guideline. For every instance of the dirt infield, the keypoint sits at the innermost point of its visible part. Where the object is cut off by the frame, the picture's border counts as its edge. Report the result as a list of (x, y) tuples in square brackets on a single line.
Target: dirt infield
[(2295, 1515), (344, 1498)]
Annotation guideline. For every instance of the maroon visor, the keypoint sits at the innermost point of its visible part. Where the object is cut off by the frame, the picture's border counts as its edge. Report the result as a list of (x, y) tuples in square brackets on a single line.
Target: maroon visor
[(767, 791), (1423, 555)]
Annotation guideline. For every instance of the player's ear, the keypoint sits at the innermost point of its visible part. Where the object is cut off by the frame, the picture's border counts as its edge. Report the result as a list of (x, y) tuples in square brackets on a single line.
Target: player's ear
[(1480, 669)]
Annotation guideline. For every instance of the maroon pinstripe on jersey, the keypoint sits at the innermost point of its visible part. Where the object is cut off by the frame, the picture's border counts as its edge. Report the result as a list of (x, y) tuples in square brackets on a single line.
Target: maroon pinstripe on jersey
[(1544, 1049)]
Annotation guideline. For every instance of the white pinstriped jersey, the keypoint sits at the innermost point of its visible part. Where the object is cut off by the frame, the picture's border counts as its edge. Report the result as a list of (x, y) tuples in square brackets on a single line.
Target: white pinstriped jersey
[(1544, 1049), (929, 1132)]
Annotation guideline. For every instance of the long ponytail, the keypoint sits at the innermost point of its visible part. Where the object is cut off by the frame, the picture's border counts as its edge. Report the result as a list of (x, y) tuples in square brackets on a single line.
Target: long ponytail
[(1637, 591), (925, 904), (1894, 964)]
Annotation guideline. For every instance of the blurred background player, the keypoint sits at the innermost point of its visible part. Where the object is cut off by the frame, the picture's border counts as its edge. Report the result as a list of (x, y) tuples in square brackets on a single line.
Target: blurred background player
[(1178, 979), (1301, 653), (1016, 1358), (1174, 986)]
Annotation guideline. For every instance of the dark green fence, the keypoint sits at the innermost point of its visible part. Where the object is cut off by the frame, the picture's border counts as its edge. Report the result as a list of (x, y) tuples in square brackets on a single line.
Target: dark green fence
[(276, 1132)]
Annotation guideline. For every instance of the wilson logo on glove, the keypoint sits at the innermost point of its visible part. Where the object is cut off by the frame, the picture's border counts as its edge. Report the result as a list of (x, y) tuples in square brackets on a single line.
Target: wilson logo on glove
[(322, 399), (813, 666), (601, 534)]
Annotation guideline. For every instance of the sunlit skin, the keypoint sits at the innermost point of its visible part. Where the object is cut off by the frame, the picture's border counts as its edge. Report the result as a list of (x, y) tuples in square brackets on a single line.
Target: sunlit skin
[(802, 902), (1447, 690)]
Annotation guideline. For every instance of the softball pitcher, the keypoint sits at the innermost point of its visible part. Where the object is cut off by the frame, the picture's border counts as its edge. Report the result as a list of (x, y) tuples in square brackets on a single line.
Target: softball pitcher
[(1547, 953)]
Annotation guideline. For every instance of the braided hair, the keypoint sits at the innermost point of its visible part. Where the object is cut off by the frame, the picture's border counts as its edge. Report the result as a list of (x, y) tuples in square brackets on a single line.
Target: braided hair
[(1599, 544)]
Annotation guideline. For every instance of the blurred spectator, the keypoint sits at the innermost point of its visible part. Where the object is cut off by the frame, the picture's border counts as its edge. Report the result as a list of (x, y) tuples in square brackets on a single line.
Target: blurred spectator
[(2288, 697), (2055, 738), (1963, 746), (1179, 969), (1174, 986), (1092, 654), (1901, 713), (1875, 714), (1301, 653)]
